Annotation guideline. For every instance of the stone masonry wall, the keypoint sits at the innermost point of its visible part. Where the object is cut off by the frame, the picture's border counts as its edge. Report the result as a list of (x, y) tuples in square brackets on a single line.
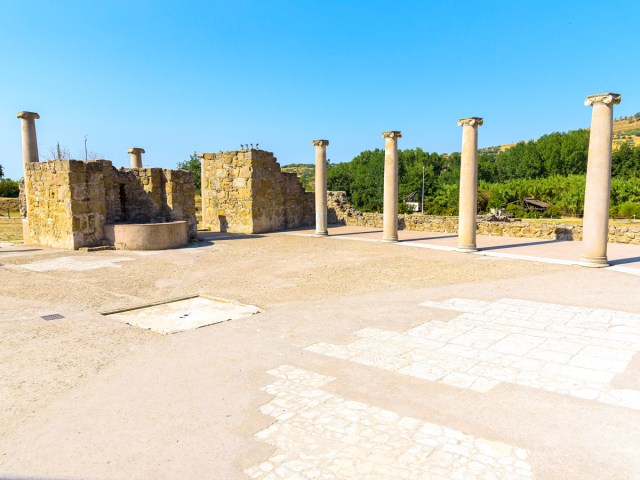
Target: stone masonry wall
[(70, 201), (50, 202), (247, 192), (341, 212)]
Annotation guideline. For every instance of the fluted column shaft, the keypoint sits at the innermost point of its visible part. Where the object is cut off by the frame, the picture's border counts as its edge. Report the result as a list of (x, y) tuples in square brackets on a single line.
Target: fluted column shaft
[(321, 186), (596, 199), (390, 204), (468, 199)]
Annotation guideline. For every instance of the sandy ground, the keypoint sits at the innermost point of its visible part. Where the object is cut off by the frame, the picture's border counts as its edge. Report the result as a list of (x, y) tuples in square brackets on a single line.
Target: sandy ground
[(88, 397)]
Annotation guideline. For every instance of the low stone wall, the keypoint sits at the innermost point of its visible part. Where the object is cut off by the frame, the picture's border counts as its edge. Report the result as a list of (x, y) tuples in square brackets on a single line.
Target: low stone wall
[(341, 212), (70, 201), (147, 236), (247, 192)]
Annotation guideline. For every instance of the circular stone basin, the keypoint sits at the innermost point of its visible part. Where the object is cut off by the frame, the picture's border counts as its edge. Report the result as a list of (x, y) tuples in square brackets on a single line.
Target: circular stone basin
[(147, 236)]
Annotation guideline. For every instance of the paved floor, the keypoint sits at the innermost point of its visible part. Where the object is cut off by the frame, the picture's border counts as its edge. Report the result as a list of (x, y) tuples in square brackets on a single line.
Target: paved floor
[(622, 257), (368, 361)]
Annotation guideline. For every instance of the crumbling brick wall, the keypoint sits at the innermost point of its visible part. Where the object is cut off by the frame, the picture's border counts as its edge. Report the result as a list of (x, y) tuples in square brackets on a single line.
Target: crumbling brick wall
[(70, 201), (247, 192)]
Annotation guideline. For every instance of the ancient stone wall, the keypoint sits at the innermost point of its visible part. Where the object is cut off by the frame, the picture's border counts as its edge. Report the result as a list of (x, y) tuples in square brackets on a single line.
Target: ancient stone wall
[(247, 192), (70, 201), (341, 212)]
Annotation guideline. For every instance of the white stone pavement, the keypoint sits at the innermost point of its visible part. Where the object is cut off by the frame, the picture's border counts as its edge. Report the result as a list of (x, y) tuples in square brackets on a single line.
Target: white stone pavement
[(322, 435), (564, 349), (72, 264)]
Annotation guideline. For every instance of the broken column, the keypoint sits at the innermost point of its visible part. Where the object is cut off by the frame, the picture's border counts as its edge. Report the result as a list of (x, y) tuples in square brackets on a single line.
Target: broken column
[(596, 198), (321, 186), (468, 203), (29, 140), (136, 157), (390, 205)]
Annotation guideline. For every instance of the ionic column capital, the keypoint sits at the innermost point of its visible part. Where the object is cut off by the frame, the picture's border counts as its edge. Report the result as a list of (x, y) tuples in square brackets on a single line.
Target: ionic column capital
[(471, 121), (28, 115), (606, 98), (320, 143), (136, 150), (392, 134)]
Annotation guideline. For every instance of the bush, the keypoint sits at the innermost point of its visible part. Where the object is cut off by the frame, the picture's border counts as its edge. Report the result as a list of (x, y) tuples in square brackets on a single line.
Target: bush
[(405, 208), (9, 188), (628, 209)]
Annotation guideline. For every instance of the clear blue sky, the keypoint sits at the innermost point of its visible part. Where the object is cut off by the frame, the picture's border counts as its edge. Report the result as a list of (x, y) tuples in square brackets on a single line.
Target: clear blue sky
[(174, 77)]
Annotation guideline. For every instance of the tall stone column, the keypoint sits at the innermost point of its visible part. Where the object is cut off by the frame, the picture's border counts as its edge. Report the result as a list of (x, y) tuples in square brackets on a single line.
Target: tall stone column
[(136, 157), (595, 229), (29, 155), (390, 205), (468, 204), (29, 139), (203, 189), (321, 186)]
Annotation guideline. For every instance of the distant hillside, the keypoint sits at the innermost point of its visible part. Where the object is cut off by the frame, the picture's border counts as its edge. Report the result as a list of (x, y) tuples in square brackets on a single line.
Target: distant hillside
[(305, 171), (625, 130)]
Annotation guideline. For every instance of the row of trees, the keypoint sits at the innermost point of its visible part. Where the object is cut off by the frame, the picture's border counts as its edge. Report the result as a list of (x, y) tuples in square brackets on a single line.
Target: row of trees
[(8, 187), (551, 168)]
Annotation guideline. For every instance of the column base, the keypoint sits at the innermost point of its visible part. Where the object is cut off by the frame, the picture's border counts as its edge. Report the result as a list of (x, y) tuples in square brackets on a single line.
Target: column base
[(321, 234), (595, 262), (466, 248), (390, 240)]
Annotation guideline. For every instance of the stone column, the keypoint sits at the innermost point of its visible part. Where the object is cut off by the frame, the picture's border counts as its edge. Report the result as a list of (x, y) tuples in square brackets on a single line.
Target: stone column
[(29, 155), (321, 186), (29, 140), (390, 205), (595, 230), (203, 189), (136, 157), (468, 204)]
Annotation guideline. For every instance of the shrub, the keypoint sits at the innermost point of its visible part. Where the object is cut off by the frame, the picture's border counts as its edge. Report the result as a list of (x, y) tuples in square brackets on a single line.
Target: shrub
[(9, 188)]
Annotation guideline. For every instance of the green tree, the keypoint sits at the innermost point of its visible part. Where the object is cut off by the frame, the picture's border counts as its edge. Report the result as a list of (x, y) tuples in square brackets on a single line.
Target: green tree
[(9, 188), (193, 165)]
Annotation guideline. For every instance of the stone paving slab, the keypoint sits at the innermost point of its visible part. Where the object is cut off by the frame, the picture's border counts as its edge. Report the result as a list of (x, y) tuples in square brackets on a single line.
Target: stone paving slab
[(570, 350), (73, 264), (320, 435)]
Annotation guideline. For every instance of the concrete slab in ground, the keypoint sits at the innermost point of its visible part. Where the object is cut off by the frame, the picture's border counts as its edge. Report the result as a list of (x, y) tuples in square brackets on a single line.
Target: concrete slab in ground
[(183, 314)]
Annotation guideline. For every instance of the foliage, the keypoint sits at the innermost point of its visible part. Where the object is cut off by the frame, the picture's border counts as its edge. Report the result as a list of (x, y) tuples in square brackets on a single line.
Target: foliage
[(551, 169), (193, 165), (9, 188)]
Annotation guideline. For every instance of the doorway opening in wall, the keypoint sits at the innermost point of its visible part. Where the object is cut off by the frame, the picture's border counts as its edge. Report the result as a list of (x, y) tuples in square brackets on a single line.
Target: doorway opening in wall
[(123, 202)]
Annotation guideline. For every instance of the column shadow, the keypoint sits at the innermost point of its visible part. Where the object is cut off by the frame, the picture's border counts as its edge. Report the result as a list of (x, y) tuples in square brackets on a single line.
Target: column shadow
[(428, 238), (623, 261), (353, 233), (515, 245)]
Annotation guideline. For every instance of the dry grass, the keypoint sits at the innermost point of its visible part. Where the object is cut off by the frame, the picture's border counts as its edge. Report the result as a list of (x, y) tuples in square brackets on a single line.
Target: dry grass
[(11, 229), (621, 126)]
